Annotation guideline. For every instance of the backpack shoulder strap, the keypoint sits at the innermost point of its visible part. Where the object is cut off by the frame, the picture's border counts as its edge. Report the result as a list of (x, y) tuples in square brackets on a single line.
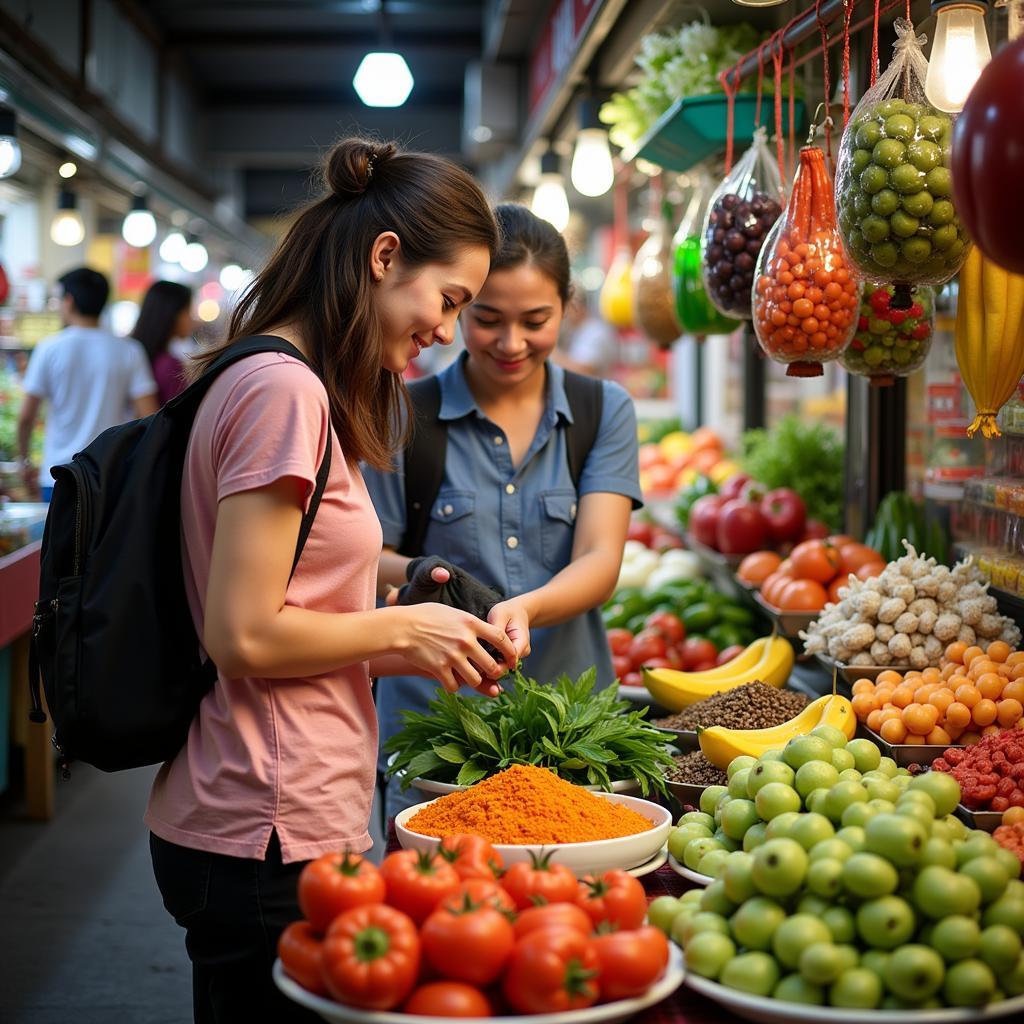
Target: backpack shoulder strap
[(424, 462), (187, 403), (586, 399)]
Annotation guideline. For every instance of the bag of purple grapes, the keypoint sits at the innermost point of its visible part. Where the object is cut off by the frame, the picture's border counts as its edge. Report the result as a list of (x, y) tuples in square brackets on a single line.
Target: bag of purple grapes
[(740, 215)]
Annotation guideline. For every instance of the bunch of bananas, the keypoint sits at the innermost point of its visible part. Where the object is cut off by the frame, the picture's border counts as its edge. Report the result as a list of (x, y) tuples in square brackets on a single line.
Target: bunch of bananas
[(769, 660), (720, 745), (989, 337)]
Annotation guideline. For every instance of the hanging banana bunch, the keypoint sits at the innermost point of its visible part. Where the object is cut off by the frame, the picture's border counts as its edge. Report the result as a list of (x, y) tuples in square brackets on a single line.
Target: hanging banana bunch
[(989, 337)]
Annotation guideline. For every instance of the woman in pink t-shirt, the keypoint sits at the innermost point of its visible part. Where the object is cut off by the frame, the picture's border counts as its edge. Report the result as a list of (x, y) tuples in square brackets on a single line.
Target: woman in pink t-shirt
[(279, 765)]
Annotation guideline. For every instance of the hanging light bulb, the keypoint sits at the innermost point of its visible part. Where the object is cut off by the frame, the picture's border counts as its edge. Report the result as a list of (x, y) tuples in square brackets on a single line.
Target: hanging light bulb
[(549, 201), (195, 257), (233, 277), (592, 171), (383, 80), (10, 151), (139, 227), (959, 52), (172, 248), (67, 228), (68, 169)]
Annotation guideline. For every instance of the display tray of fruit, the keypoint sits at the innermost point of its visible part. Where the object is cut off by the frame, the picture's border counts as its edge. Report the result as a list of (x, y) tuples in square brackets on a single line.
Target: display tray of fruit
[(788, 623), (849, 674), (904, 754)]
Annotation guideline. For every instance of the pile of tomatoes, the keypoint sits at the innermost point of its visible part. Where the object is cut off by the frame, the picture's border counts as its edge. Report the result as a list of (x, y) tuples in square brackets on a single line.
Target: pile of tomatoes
[(812, 574), (455, 934)]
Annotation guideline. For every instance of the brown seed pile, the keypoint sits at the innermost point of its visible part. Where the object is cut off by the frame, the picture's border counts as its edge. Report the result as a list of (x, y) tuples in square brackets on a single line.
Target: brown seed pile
[(694, 768), (751, 706)]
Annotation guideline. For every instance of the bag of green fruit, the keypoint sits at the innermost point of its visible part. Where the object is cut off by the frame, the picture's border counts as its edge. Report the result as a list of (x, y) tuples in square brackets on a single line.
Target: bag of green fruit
[(695, 311), (890, 342), (894, 195), (740, 215)]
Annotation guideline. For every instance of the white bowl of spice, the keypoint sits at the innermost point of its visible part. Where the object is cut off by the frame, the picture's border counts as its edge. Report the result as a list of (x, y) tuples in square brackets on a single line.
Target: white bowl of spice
[(526, 811)]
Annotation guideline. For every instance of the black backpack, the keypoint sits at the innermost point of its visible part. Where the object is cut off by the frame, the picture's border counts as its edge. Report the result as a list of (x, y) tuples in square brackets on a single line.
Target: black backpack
[(112, 636), (425, 454)]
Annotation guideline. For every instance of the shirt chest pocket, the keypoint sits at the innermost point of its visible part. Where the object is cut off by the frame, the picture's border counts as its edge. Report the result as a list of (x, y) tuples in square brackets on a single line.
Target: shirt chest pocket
[(452, 533), (557, 526)]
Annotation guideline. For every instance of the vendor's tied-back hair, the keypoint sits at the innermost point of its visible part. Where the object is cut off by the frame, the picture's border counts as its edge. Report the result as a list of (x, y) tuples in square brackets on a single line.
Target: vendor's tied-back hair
[(527, 239), (319, 278)]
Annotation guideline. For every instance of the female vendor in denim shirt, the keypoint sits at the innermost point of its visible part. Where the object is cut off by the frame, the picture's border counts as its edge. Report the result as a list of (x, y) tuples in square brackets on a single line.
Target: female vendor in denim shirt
[(507, 511)]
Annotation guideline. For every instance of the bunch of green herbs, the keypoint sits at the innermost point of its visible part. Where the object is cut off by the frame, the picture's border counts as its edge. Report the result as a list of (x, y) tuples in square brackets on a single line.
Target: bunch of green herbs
[(806, 457), (586, 737)]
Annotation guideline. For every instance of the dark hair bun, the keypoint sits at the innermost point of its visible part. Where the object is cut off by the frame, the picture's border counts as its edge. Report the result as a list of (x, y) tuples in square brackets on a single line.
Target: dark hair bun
[(351, 165)]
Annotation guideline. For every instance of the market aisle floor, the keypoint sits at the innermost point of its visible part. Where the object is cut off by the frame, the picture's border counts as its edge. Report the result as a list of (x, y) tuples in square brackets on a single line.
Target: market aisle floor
[(83, 934)]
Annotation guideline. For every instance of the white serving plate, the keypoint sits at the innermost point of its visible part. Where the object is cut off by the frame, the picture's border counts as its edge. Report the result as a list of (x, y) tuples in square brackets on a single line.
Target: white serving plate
[(582, 858), (689, 873), (774, 1011), (606, 1013), (650, 866)]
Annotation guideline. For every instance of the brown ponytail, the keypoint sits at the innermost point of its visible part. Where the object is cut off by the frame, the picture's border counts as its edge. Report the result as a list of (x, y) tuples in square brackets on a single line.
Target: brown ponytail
[(319, 277)]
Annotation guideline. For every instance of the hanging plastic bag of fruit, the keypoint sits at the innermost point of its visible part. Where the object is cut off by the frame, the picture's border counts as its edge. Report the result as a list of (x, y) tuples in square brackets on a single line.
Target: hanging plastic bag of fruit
[(891, 342), (806, 298), (695, 311), (740, 215), (894, 192), (653, 299)]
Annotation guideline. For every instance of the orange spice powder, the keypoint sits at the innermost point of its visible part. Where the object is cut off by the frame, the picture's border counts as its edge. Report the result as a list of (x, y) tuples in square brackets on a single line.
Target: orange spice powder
[(524, 804)]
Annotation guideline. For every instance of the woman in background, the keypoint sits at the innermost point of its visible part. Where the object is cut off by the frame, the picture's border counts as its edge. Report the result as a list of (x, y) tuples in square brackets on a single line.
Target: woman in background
[(166, 314)]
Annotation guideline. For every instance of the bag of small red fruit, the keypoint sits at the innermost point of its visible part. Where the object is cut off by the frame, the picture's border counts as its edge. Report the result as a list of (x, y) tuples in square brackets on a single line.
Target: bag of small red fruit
[(806, 297)]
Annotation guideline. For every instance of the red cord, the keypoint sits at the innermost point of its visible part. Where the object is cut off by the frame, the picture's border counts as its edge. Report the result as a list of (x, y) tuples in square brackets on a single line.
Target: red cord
[(792, 118), (827, 83), (760, 82), (730, 117), (847, 15), (777, 57), (874, 44), (908, 10)]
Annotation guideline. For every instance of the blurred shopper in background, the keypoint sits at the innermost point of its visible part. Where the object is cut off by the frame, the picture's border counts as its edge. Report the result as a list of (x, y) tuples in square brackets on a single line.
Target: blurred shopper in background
[(508, 511), (591, 344), (86, 375), (279, 764), (165, 316)]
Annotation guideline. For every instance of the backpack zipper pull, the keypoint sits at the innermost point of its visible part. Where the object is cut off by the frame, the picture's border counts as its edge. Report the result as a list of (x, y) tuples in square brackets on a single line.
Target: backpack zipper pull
[(44, 610)]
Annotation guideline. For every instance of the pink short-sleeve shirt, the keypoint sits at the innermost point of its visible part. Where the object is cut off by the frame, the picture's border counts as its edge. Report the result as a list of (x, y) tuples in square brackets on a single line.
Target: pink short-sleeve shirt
[(295, 755)]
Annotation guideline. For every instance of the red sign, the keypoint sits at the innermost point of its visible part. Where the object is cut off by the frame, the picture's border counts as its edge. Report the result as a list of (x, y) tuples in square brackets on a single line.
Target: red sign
[(567, 24)]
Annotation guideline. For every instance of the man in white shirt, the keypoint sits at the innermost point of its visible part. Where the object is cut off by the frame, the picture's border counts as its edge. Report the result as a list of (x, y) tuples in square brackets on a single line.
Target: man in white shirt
[(88, 376), (592, 345)]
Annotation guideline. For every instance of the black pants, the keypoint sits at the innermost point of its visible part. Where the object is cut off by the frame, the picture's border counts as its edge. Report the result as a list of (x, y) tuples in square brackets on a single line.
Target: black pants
[(233, 910)]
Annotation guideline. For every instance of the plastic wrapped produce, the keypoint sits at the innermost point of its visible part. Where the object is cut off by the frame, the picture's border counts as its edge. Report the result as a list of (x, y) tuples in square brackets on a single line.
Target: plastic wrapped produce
[(740, 215), (894, 191), (890, 342), (806, 298), (654, 300), (695, 311)]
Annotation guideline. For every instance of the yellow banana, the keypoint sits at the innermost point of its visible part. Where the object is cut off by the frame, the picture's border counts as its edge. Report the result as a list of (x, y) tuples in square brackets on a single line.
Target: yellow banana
[(969, 320), (676, 690), (720, 746)]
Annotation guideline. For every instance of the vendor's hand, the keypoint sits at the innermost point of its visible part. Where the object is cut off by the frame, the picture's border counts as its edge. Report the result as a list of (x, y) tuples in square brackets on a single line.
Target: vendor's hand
[(439, 575), (446, 644), (511, 617)]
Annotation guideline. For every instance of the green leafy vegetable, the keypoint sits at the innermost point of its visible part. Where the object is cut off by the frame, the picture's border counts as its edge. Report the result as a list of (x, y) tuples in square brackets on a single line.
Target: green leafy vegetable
[(587, 737), (804, 456), (901, 518)]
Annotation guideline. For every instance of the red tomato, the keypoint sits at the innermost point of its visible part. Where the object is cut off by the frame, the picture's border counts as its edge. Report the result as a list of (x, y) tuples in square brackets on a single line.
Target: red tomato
[(632, 679), (853, 556), (621, 666), (839, 540), (729, 653), (448, 999), (616, 897), (481, 891), (336, 882), (815, 560), (641, 531), (869, 570), (659, 663), (619, 641), (756, 568), (803, 596), (695, 650), (472, 857), (814, 530), (555, 883), (301, 953), (568, 915), (668, 625), (833, 588), (371, 957), (703, 666), (470, 945), (552, 970), (674, 656), (417, 881), (630, 961), (647, 644)]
